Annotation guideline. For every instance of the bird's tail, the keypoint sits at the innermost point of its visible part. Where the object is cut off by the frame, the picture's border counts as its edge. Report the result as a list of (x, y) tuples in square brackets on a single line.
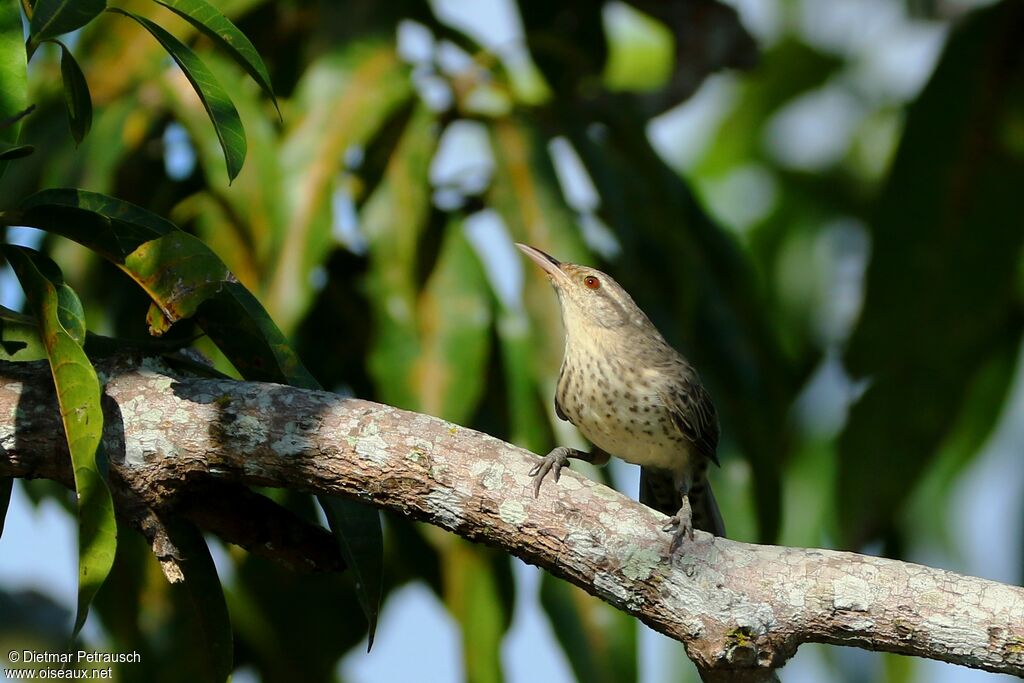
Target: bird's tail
[(706, 516), (658, 491)]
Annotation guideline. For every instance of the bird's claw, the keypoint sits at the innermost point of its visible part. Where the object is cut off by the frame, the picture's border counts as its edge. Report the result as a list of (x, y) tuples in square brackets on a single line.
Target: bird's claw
[(681, 524), (553, 461)]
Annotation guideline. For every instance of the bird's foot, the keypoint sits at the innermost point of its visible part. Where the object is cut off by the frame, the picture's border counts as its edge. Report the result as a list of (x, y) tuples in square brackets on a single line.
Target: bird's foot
[(552, 462), (681, 524)]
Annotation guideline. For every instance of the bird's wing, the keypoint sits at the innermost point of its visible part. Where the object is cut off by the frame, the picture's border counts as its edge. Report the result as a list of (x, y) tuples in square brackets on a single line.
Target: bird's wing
[(694, 415), (558, 406)]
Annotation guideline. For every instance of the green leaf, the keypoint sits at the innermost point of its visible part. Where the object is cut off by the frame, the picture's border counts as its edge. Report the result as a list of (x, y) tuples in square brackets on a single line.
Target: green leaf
[(347, 96), (207, 598), (13, 78), (19, 337), (393, 220), (9, 151), (178, 272), (51, 18), (218, 105), (454, 316), (219, 28), (474, 597), (599, 640), (356, 527), (62, 327), (76, 94), (6, 486), (153, 252), (942, 293)]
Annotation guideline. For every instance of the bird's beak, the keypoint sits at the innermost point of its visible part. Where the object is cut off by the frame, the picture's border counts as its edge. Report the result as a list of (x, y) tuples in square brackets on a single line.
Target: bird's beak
[(549, 264)]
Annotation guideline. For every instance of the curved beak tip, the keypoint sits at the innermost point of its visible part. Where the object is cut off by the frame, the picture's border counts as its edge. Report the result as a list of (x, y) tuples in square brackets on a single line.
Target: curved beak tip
[(548, 264)]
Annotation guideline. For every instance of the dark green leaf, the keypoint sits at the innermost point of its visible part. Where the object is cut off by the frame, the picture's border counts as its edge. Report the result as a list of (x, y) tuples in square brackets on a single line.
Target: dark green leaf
[(9, 151), (942, 286), (356, 527), (219, 28), (218, 105), (76, 94), (19, 337), (178, 272), (13, 77), (599, 640), (347, 95), (6, 485), (145, 246), (207, 597), (62, 327), (51, 18)]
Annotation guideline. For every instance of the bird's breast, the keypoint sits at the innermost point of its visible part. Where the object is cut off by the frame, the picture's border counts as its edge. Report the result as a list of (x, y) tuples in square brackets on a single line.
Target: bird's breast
[(617, 407)]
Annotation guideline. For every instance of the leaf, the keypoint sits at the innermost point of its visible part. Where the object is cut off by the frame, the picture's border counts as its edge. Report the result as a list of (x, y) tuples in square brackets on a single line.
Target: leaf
[(599, 640), (219, 28), (51, 18), (942, 293), (19, 337), (218, 105), (207, 598), (393, 220), (454, 318), (347, 96), (152, 251), (356, 527), (178, 272), (6, 486), (13, 79), (9, 151), (76, 94), (62, 328), (473, 595)]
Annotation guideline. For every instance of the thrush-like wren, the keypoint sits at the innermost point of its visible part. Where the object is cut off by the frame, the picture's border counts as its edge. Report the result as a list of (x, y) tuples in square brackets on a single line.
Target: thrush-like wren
[(632, 396)]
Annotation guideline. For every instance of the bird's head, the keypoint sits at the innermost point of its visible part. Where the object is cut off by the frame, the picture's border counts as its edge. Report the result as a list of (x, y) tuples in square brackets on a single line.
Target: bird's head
[(589, 298)]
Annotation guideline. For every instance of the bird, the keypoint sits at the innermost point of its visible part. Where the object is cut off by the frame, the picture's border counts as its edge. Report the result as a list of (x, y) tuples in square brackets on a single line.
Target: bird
[(632, 396)]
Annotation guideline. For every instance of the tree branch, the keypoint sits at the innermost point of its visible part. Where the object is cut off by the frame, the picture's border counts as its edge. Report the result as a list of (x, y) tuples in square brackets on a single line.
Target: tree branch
[(740, 609)]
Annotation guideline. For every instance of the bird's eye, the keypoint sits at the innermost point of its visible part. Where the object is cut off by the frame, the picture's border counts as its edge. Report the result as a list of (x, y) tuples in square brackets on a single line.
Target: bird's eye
[(591, 282)]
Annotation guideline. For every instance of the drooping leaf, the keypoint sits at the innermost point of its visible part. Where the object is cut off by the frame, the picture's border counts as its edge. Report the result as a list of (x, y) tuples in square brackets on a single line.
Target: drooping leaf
[(178, 272), (51, 18), (943, 281), (599, 640), (393, 220), (454, 317), (222, 31), (76, 94), (6, 486), (9, 151), (207, 598), (142, 244), (62, 329), (356, 528), (473, 596), (221, 110), (19, 337), (347, 96), (13, 79)]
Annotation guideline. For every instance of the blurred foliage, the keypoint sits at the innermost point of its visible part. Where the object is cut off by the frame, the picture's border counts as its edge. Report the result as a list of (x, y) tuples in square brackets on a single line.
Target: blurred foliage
[(308, 164)]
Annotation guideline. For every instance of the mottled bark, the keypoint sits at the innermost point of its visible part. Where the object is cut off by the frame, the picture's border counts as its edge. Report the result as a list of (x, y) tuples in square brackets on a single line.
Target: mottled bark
[(740, 609)]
